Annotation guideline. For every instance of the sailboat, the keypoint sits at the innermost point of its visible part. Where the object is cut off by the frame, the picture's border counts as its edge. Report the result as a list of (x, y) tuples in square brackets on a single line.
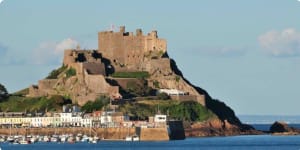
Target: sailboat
[(10, 138), (24, 141)]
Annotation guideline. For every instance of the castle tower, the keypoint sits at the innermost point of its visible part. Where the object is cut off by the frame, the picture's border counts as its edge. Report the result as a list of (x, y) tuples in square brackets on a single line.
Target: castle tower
[(126, 49), (139, 32), (122, 29)]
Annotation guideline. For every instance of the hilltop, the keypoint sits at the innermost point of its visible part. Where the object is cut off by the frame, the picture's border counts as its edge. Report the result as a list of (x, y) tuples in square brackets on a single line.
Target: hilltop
[(135, 72)]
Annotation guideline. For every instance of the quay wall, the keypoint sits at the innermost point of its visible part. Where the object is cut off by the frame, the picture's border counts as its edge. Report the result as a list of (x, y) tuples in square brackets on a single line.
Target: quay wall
[(153, 134), (106, 133)]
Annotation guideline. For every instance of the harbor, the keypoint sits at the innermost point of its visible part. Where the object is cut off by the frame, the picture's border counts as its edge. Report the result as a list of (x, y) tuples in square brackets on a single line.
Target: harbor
[(74, 135)]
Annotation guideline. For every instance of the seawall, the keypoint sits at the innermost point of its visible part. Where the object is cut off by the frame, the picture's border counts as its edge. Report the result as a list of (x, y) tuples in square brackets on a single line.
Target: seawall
[(153, 134), (106, 133)]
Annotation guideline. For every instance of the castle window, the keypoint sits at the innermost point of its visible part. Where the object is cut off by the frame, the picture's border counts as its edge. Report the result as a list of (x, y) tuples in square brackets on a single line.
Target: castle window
[(80, 58)]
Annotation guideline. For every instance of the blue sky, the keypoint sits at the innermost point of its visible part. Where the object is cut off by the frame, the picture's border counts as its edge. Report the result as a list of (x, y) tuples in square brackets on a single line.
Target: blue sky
[(245, 53)]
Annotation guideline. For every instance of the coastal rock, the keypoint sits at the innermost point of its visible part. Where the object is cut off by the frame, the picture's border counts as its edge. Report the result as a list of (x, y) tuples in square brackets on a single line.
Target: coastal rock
[(217, 127), (280, 127)]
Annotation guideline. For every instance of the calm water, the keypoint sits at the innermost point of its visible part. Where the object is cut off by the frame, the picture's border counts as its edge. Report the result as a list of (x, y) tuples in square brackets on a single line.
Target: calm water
[(261, 142)]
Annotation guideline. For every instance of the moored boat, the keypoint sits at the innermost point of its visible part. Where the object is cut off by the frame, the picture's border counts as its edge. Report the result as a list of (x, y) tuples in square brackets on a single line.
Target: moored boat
[(135, 138)]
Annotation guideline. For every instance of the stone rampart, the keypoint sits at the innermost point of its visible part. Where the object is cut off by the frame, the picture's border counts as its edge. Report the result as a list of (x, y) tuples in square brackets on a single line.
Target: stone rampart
[(123, 82)]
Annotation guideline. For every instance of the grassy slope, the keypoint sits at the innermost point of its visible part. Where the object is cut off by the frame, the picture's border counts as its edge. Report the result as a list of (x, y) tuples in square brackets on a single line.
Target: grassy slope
[(188, 111), (22, 104)]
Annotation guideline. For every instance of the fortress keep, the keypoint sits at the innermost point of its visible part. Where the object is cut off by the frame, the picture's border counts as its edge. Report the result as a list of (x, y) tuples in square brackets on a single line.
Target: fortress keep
[(126, 49)]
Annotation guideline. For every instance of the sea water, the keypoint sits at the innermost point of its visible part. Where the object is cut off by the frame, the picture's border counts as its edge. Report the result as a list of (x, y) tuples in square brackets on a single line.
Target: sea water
[(258, 142)]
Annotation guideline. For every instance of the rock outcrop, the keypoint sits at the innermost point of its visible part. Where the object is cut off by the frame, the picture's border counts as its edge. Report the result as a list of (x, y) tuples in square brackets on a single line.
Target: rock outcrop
[(282, 128), (217, 127)]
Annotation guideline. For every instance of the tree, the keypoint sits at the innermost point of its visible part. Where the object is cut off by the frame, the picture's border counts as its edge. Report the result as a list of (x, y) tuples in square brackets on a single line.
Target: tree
[(3, 92), (98, 104), (163, 96), (139, 88)]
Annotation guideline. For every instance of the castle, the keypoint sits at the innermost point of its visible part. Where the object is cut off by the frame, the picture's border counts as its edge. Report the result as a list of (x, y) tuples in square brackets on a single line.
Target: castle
[(117, 52)]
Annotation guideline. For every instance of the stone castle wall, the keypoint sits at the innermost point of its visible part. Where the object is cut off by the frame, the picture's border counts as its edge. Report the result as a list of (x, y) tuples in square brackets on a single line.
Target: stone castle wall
[(47, 84), (76, 55), (88, 83), (98, 84), (34, 91), (123, 82), (124, 48), (44, 88)]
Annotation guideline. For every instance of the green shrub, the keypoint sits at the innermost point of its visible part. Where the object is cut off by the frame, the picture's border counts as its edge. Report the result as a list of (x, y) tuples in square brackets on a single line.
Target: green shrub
[(41, 104), (190, 111), (70, 72), (98, 104), (163, 96), (138, 88), (177, 78), (54, 73), (3, 92), (138, 74), (156, 84), (22, 92)]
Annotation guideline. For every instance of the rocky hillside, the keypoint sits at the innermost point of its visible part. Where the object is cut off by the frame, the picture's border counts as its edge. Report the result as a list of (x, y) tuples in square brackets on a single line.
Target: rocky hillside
[(165, 71)]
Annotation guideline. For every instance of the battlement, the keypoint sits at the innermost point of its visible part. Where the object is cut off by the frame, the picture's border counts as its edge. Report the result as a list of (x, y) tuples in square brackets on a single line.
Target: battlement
[(89, 60), (80, 56), (139, 32), (126, 48)]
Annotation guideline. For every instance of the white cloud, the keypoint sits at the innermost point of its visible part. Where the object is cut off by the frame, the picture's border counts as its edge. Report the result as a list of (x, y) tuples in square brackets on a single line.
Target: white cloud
[(52, 52), (65, 44), (281, 43)]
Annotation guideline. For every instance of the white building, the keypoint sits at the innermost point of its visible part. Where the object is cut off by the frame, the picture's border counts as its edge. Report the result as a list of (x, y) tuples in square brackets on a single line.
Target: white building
[(36, 121), (105, 119), (65, 119), (171, 92), (160, 118), (86, 122), (76, 121), (70, 119)]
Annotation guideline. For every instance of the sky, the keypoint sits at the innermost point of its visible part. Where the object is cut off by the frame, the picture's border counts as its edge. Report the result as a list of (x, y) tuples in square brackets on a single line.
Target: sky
[(245, 53)]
